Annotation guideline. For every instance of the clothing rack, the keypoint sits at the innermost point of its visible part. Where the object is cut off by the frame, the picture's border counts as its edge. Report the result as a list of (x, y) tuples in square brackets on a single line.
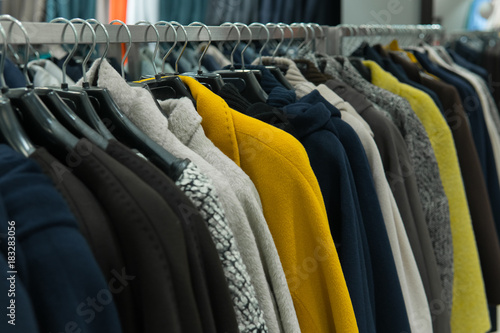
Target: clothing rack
[(328, 39), (338, 35), (40, 33), (54, 33), (466, 34)]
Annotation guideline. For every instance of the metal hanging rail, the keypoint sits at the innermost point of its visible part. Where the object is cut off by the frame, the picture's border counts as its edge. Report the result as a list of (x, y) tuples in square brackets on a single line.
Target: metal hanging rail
[(52, 33), (337, 36)]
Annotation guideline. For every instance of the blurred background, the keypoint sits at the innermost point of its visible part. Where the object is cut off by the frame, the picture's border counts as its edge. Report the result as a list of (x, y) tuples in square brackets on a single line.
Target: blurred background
[(454, 15)]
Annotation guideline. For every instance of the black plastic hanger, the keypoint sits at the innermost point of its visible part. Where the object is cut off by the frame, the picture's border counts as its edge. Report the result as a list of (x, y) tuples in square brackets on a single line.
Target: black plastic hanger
[(11, 130), (37, 120), (244, 79), (54, 98), (167, 85), (127, 132), (77, 97), (275, 70), (213, 81)]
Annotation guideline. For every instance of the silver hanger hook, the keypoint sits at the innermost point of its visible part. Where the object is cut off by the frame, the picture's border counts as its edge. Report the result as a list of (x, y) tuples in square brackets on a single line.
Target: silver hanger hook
[(281, 41), (73, 50), (92, 48), (35, 52), (186, 41), (306, 31), (313, 33), (106, 34), (322, 33), (237, 42), (2, 61), (28, 45), (192, 24), (319, 28), (250, 39), (263, 26), (169, 25), (281, 24), (129, 43), (157, 44)]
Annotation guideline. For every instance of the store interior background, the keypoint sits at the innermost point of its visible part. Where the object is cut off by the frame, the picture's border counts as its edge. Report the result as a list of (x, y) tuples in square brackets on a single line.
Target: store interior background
[(453, 15)]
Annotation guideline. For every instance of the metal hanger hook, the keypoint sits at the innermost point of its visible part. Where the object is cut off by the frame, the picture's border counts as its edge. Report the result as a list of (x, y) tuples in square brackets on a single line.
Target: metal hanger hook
[(281, 41), (73, 50), (92, 48), (2, 61), (15, 21), (225, 24), (157, 43), (313, 35), (306, 31), (129, 43), (202, 25), (250, 39), (186, 41), (106, 34), (263, 26), (322, 33), (281, 24), (169, 25)]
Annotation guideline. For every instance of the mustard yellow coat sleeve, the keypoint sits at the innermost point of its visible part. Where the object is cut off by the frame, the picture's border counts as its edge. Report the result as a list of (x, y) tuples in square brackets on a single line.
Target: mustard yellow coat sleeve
[(469, 311), (293, 207)]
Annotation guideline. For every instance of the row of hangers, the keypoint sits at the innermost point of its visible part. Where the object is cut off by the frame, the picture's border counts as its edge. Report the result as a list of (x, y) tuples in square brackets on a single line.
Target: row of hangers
[(347, 37), (57, 117)]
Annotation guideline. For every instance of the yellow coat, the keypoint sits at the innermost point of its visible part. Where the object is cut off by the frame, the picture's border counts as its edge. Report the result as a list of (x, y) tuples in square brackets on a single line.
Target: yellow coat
[(469, 311), (293, 207)]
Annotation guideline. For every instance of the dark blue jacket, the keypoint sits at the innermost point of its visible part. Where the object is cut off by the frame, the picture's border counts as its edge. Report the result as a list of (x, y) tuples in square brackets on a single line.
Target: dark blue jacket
[(14, 78), (25, 320), (329, 161), (459, 60), (55, 262), (391, 315)]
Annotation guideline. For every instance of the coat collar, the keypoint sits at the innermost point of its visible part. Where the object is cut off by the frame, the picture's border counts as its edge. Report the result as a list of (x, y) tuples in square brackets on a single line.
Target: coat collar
[(382, 78), (217, 118)]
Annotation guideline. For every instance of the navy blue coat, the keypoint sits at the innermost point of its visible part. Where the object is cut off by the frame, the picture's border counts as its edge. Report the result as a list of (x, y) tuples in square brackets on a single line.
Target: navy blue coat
[(390, 309), (329, 161), (25, 320), (53, 259)]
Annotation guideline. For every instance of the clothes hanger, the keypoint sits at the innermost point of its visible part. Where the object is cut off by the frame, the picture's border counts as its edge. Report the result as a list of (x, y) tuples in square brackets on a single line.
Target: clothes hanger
[(165, 57), (275, 70), (213, 81), (82, 97), (306, 38), (321, 37), (287, 48), (124, 129), (11, 130), (58, 100), (37, 120), (251, 88), (256, 72), (168, 85)]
